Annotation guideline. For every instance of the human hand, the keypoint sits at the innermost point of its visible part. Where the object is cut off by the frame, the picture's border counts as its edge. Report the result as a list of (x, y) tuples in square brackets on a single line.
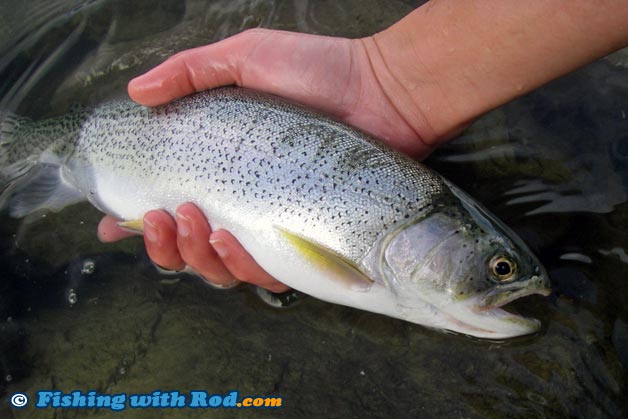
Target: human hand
[(333, 75), (190, 242), (414, 85)]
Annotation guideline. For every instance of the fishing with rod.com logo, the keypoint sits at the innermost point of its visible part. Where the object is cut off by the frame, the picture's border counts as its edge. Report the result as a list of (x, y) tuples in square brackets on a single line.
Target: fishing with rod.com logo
[(157, 399)]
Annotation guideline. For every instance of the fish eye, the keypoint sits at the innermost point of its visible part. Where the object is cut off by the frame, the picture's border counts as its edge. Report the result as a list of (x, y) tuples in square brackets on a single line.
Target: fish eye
[(502, 268)]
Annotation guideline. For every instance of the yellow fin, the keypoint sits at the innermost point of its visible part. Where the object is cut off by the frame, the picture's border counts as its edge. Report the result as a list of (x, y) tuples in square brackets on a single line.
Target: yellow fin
[(134, 226), (335, 265)]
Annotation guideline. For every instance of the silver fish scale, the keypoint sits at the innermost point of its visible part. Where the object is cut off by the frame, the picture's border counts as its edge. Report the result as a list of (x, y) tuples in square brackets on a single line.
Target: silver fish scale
[(262, 160)]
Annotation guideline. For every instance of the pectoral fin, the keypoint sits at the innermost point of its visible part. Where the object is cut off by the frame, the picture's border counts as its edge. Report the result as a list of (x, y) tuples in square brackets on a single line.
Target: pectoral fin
[(334, 265)]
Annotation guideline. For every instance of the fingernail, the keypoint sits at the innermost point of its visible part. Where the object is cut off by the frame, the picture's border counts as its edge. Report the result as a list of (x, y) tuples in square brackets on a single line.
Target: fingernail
[(150, 232), (220, 247), (184, 225)]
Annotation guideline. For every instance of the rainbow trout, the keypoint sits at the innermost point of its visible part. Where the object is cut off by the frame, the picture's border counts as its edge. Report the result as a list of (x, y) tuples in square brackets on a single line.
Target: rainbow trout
[(322, 207)]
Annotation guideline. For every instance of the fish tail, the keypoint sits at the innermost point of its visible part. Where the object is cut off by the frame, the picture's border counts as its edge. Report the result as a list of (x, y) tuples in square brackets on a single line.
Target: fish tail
[(30, 171), (15, 159)]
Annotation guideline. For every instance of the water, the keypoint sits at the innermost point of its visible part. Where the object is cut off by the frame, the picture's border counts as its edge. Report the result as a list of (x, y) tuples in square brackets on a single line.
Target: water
[(78, 314)]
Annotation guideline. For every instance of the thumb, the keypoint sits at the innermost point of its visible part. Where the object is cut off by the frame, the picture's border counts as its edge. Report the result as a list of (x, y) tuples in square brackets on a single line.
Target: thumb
[(196, 69)]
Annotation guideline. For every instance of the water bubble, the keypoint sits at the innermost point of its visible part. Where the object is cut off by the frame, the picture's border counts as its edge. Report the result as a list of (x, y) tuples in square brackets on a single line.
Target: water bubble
[(8, 378), (122, 370), (72, 297), (89, 266), (536, 398)]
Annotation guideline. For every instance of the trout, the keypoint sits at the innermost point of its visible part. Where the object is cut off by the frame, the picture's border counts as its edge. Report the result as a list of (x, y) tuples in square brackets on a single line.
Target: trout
[(324, 208)]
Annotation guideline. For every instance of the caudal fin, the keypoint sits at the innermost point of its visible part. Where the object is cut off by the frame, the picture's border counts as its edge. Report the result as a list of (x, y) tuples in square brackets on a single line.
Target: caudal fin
[(31, 177), (15, 163)]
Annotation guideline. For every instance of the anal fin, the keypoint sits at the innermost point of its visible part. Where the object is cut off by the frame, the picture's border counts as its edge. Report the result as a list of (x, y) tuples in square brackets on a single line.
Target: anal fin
[(133, 226)]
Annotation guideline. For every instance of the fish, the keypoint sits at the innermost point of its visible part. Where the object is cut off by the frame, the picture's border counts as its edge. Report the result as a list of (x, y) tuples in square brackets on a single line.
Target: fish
[(323, 207)]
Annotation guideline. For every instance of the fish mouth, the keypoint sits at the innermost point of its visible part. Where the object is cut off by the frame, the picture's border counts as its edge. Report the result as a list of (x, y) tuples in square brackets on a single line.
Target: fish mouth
[(483, 316), (496, 299)]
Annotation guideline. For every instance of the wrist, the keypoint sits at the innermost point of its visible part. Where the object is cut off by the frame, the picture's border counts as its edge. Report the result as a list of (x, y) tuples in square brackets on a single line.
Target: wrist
[(418, 86), (421, 79), (448, 62)]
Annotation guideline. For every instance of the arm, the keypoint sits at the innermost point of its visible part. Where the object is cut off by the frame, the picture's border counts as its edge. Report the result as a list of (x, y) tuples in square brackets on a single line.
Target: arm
[(450, 61), (414, 85)]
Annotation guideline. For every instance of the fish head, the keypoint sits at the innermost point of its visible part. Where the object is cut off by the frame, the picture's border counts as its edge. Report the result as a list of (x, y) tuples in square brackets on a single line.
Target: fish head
[(464, 264)]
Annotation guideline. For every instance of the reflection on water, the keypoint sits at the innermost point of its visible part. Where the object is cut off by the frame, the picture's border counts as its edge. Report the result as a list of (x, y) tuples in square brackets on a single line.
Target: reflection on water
[(78, 314)]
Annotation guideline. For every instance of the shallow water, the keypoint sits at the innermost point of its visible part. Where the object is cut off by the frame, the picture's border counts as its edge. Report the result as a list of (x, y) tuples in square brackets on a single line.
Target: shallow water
[(78, 314)]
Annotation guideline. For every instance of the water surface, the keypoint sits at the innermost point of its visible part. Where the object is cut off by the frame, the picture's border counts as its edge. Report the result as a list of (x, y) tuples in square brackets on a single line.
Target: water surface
[(78, 314)]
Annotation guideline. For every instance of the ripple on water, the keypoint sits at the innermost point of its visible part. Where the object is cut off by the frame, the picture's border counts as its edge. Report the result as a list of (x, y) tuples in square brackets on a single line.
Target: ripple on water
[(559, 155)]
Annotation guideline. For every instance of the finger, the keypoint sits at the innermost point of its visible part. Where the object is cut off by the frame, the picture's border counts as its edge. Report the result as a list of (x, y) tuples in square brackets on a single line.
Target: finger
[(160, 237), (241, 264), (108, 230), (193, 242)]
